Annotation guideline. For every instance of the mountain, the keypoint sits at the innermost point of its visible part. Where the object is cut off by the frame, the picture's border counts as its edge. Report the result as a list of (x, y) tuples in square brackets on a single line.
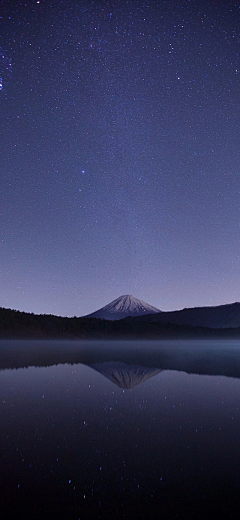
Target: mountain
[(122, 307), (223, 322), (124, 375), (220, 317)]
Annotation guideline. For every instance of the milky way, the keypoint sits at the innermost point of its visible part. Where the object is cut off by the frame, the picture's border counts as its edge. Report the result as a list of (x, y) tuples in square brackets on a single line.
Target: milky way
[(120, 154)]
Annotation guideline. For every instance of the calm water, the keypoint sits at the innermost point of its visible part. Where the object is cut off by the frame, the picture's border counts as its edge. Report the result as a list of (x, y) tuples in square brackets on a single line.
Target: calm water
[(113, 437)]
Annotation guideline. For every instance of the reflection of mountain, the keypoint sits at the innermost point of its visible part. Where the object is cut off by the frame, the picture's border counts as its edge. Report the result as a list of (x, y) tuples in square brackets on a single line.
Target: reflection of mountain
[(220, 358), (123, 375)]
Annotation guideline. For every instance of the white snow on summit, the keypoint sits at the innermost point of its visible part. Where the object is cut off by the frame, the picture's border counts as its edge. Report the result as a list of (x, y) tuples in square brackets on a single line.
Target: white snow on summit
[(122, 307)]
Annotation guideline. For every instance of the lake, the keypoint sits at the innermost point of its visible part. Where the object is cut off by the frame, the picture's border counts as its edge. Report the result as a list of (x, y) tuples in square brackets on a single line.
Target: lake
[(120, 429)]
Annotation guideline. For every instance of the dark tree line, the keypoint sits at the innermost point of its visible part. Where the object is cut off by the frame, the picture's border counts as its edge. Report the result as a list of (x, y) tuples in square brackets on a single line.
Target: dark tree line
[(16, 324)]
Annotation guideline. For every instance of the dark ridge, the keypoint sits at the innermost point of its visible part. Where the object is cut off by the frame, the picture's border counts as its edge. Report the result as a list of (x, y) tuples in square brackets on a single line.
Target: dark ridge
[(21, 325), (222, 316)]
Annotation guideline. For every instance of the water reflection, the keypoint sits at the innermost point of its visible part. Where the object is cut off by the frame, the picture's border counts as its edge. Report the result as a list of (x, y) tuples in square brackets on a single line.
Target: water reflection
[(123, 375), (199, 357), (118, 439)]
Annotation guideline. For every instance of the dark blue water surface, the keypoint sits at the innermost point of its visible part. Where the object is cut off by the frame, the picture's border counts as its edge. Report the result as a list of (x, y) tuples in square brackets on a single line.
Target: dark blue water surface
[(119, 438)]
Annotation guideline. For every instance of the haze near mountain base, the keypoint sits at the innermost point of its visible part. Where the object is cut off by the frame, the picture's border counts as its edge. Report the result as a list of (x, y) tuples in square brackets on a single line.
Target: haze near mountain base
[(122, 307)]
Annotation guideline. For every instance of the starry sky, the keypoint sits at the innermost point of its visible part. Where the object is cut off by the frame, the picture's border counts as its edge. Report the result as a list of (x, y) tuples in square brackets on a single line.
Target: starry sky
[(119, 153)]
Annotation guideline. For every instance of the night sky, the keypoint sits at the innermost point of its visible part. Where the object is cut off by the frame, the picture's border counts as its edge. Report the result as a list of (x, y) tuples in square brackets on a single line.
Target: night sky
[(119, 153)]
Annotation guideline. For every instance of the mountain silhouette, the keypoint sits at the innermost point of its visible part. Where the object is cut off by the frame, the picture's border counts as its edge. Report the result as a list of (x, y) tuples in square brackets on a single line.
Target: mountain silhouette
[(221, 316), (122, 307)]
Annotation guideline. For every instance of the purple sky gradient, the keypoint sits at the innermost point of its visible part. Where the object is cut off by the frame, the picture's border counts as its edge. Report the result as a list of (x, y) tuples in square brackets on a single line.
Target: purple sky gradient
[(120, 154)]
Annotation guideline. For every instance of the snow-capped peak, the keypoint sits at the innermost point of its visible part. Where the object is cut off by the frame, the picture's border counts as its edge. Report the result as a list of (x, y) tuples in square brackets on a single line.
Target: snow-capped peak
[(126, 305)]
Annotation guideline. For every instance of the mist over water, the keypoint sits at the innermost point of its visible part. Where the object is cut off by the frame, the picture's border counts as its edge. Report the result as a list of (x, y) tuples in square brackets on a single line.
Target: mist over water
[(220, 357), (120, 436)]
